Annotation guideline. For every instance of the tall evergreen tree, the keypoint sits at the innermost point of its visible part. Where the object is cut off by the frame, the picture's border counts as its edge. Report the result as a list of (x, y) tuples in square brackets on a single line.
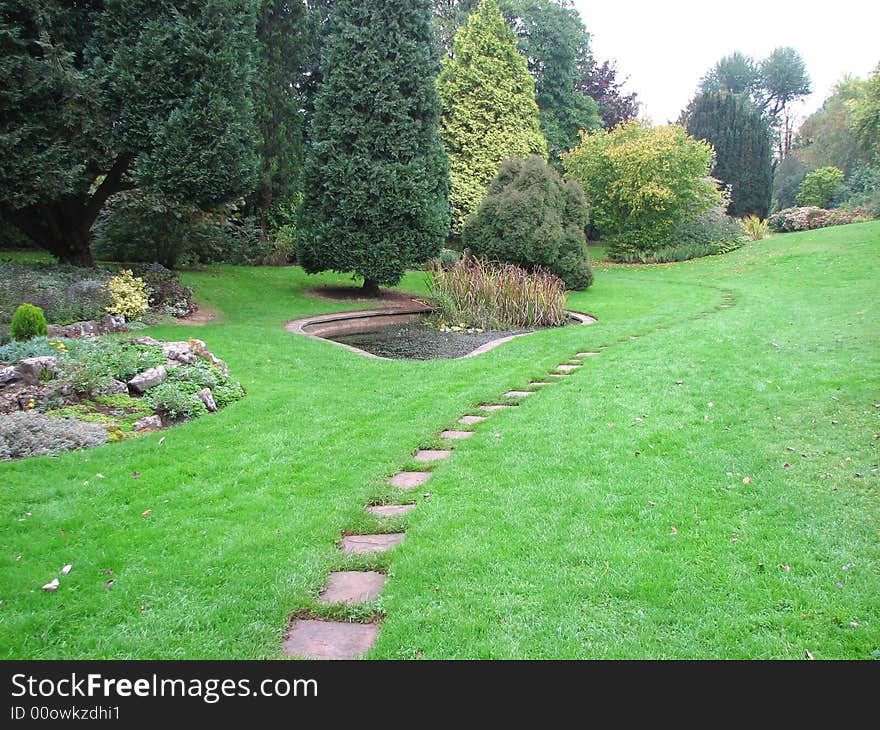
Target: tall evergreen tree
[(735, 127), (283, 37), (99, 96), (552, 37), (376, 175), (489, 108)]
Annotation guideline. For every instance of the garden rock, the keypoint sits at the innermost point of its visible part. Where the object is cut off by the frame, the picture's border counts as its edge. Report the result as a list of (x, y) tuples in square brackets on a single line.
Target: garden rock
[(114, 323), (201, 349), (147, 422), (116, 387), (8, 375), (147, 341), (75, 330), (179, 352), (31, 368), (207, 398), (150, 378)]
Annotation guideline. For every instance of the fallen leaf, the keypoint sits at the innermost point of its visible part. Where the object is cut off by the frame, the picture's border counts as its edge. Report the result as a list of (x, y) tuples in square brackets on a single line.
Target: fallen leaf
[(834, 423), (747, 480), (18, 557), (808, 654), (99, 476), (786, 465), (786, 568), (854, 624), (109, 584), (161, 441), (710, 405), (652, 503), (66, 569), (146, 513), (674, 529), (849, 566), (135, 475), (107, 571), (53, 586)]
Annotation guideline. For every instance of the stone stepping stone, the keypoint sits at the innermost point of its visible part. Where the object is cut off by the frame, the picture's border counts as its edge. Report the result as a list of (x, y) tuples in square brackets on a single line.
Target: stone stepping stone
[(518, 393), (353, 586), (448, 434), (495, 407), (587, 354), (431, 454), (359, 544), (539, 382), (567, 368), (390, 510), (471, 420), (309, 639), (409, 479), (558, 375)]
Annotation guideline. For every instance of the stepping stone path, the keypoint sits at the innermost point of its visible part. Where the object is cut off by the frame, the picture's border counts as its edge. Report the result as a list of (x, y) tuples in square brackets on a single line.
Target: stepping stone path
[(312, 638), (390, 510), (471, 420), (409, 479), (360, 544), (456, 434), (432, 454), (353, 586), (329, 639)]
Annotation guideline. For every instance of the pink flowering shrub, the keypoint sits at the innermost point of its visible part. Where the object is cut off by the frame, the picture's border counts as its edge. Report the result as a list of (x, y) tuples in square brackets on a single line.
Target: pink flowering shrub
[(809, 217)]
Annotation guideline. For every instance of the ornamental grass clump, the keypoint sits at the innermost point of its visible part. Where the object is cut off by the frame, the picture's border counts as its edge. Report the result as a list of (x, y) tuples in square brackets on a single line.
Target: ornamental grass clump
[(477, 294), (755, 227)]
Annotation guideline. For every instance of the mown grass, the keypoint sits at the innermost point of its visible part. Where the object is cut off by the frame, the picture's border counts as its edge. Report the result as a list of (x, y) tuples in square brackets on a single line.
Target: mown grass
[(549, 533)]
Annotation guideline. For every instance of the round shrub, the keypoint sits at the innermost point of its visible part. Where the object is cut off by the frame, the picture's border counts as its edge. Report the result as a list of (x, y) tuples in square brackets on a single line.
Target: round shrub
[(820, 187), (128, 294), (28, 321), (531, 217)]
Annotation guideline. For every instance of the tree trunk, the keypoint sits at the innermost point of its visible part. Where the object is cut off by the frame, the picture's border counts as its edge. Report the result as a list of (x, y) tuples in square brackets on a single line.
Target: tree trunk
[(63, 227), (370, 288)]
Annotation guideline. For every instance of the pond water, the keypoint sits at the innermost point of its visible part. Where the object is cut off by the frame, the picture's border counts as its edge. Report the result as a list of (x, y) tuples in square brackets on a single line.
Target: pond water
[(418, 341)]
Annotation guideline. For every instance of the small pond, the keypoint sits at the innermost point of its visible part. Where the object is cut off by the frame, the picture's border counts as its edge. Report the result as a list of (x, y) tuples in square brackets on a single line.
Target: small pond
[(421, 341)]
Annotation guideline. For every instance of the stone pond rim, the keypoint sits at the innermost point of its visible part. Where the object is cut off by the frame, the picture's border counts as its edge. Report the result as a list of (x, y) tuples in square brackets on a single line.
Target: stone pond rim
[(325, 326)]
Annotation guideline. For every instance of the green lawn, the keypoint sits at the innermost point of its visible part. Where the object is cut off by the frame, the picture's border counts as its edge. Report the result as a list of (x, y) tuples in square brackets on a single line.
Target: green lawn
[(606, 517)]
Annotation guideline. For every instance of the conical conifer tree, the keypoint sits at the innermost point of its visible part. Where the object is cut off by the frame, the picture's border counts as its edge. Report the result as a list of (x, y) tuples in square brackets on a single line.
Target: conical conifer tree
[(737, 130), (489, 108), (376, 175)]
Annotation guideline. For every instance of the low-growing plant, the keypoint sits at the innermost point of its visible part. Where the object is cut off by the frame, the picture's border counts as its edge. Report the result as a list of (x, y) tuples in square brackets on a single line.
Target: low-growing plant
[(28, 322), (14, 351), (496, 296), (225, 394), (165, 292), (176, 401), (86, 377), (809, 218), (757, 229), (128, 295), (203, 374), (25, 434)]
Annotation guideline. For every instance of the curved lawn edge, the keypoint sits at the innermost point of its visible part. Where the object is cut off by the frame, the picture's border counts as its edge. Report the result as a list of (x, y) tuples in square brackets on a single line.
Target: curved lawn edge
[(323, 326)]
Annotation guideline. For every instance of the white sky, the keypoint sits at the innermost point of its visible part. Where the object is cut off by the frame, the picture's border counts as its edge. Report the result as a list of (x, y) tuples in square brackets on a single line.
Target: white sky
[(666, 46)]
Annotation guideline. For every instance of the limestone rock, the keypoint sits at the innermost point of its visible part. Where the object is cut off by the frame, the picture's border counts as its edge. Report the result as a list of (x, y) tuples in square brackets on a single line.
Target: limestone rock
[(148, 379), (147, 423), (8, 375), (115, 387), (114, 323), (181, 352), (31, 368), (207, 398), (147, 341), (201, 349)]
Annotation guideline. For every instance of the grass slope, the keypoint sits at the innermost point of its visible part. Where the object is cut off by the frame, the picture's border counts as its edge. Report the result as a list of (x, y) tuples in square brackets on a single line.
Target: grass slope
[(547, 534)]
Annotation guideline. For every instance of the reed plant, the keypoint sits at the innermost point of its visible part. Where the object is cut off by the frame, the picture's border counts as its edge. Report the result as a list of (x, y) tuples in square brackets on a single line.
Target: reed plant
[(491, 295)]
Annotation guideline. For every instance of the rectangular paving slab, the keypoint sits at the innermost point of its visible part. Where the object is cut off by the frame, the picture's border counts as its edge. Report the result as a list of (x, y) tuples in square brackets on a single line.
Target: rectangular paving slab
[(352, 586), (409, 479), (390, 510), (449, 434), (558, 375), (567, 368), (495, 407), (539, 382), (587, 354), (359, 544), (471, 420), (310, 639), (518, 393), (431, 454)]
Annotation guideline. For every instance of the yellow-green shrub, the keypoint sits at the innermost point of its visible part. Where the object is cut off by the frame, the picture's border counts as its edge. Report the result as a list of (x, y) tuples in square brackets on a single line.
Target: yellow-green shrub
[(128, 295)]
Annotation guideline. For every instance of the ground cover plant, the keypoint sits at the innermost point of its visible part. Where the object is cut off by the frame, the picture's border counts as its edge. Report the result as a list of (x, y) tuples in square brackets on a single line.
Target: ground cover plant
[(704, 488)]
